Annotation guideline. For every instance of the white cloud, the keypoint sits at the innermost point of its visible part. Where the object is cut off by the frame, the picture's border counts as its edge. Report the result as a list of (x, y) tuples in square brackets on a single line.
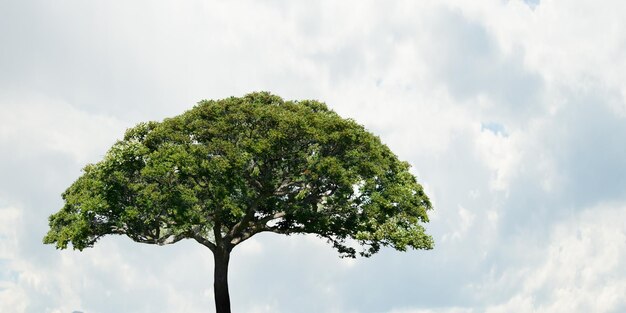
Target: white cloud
[(511, 114), (12, 299), (501, 154), (36, 123), (9, 218), (463, 223), (582, 268), (445, 310)]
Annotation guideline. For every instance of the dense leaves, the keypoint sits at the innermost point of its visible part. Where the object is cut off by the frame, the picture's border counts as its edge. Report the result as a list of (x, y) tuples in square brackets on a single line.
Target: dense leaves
[(228, 169)]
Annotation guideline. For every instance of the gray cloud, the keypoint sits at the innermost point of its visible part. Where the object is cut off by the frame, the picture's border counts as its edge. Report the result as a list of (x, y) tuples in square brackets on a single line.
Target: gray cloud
[(466, 58), (73, 77)]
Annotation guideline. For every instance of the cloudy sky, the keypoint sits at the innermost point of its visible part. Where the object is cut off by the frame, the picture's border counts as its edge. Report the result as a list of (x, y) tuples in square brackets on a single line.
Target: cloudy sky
[(512, 113)]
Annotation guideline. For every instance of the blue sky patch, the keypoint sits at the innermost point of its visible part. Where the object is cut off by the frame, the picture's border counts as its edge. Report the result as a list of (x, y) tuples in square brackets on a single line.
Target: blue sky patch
[(494, 127)]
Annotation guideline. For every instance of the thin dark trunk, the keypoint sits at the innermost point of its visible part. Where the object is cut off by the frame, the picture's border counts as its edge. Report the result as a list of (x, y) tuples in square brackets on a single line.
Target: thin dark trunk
[(220, 283)]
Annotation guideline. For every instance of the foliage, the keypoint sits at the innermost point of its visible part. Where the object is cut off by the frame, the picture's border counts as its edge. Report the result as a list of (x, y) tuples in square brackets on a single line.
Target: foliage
[(228, 169)]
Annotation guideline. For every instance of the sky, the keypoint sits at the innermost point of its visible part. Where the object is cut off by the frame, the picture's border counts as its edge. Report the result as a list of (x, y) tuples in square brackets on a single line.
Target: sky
[(512, 114)]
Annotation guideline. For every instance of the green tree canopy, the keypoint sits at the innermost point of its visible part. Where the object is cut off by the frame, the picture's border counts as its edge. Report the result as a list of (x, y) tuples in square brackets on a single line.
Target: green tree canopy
[(229, 169)]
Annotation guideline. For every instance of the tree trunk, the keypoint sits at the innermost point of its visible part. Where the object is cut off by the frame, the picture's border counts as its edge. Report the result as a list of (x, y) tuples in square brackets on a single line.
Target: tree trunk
[(220, 282)]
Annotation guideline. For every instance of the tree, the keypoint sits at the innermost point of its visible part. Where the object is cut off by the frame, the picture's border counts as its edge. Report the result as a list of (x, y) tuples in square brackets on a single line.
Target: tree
[(229, 169)]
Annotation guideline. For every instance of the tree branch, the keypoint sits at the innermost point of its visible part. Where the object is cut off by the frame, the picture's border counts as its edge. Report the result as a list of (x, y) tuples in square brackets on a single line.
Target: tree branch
[(205, 242), (268, 218), (170, 239), (286, 185), (258, 226), (288, 231), (243, 223)]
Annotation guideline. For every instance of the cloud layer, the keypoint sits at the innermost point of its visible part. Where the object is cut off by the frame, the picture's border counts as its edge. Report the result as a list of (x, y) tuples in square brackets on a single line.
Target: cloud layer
[(512, 114)]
